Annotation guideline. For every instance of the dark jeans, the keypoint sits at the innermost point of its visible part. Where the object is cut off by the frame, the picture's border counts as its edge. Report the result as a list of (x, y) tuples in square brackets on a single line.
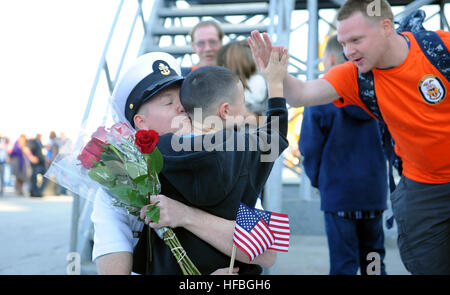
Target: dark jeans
[(35, 189), (422, 213), (351, 240)]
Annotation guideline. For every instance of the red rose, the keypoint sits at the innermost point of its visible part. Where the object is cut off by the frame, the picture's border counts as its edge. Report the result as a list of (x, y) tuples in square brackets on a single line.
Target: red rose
[(90, 154), (146, 141)]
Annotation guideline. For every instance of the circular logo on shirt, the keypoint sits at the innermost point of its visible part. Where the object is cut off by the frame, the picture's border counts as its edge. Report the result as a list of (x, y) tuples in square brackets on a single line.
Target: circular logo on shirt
[(432, 89)]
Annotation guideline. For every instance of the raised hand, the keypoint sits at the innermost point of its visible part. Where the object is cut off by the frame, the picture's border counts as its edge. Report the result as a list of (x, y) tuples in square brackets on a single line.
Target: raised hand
[(261, 47), (275, 71)]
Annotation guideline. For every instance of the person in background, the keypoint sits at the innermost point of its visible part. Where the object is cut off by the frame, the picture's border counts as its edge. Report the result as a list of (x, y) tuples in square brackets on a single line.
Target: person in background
[(237, 56), (63, 142), (52, 152), (3, 158), (347, 139), (38, 167), (206, 40), (19, 155)]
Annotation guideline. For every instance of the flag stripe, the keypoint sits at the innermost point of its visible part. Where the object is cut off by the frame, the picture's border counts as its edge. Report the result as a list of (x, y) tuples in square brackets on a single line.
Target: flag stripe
[(281, 245), (277, 227), (282, 242), (280, 215), (264, 233), (262, 238), (282, 239), (254, 243), (267, 232), (280, 232), (242, 241), (274, 247), (257, 244), (279, 219), (247, 239), (280, 224), (243, 247), (282, 236)]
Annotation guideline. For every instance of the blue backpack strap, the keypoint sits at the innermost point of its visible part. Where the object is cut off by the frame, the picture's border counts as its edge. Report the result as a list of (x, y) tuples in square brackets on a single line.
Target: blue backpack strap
[(435, 50), (429, 41), (366, 89), (412, 22)]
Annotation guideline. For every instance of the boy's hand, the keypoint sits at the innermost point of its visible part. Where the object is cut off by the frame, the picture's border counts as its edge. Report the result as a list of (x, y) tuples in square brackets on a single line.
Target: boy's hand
[(275, 71)]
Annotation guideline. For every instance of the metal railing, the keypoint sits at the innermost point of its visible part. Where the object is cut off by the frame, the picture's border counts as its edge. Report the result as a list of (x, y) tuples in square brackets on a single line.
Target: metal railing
[(81, 227)]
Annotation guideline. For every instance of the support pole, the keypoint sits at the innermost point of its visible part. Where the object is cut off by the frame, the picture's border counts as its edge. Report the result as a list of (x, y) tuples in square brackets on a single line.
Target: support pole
[(311, 74)]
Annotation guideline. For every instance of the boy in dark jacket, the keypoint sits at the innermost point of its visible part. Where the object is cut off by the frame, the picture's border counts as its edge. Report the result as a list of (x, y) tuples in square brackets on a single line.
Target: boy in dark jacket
[(343, 157), (220, 165)]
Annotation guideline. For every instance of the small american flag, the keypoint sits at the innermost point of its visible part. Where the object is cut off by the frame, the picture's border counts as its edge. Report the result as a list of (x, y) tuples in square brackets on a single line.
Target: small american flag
[(251, 234), (279, 226)]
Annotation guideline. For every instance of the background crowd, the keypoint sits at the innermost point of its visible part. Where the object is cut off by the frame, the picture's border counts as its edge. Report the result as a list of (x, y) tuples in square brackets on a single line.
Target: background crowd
[(24, 161)]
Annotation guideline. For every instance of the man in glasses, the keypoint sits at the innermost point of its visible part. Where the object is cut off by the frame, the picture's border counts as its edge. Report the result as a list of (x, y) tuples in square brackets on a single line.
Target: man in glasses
[(206, 40)]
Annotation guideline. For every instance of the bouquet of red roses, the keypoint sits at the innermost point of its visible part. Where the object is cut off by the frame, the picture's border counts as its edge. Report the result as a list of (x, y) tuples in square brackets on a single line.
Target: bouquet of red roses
[(127, 165)]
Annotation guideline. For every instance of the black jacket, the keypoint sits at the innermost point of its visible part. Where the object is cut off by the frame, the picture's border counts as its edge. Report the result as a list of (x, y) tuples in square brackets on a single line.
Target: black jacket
[(215, 176)]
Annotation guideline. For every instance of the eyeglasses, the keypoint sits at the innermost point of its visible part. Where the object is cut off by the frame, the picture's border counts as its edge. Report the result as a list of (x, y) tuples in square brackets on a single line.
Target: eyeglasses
[(211, 43)]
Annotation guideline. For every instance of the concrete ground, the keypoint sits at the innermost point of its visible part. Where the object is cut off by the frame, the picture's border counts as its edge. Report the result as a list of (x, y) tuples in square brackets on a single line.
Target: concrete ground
[(35, 234)]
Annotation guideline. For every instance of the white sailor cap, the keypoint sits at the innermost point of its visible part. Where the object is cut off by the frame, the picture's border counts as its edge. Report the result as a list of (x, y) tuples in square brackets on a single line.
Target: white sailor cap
[(149, 74)]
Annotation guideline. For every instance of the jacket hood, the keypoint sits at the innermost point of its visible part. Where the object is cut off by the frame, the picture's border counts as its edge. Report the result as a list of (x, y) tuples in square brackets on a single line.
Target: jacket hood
[(357, 112)]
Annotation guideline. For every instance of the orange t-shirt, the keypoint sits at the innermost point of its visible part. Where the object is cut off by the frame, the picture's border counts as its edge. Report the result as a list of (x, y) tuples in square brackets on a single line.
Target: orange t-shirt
[(415, 103)]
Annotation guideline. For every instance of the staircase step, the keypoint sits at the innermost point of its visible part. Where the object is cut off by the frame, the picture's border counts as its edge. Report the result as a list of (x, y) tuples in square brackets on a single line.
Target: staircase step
[(216, 10), (240, 29), (174, 50)]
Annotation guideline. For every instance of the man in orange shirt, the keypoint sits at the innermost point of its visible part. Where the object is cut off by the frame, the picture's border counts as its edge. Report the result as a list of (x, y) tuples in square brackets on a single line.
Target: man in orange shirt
[(414, 101)]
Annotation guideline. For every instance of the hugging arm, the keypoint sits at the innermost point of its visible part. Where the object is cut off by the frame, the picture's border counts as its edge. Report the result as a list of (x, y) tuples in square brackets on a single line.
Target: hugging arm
[(216, 231)]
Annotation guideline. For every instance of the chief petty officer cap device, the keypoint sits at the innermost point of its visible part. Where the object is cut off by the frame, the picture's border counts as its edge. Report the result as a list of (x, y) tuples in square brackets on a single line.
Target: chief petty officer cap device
[(149, 74)]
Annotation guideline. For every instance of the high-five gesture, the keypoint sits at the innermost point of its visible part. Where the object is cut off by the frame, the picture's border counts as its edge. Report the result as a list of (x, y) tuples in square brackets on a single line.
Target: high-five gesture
[(261, 47), (275, 70)]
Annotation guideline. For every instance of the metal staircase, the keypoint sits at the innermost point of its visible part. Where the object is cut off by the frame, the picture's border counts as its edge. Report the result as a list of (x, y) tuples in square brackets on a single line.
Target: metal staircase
[(168, 30), (174, 22)]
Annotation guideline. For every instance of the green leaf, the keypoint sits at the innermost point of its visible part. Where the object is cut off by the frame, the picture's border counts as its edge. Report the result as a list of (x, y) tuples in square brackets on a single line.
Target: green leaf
[(144, 188), (116, 167), (140, 179), (156, 160), (122, 192), (102, 175), (134, 170), (109, 156), (137, 200), (153, 212)]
